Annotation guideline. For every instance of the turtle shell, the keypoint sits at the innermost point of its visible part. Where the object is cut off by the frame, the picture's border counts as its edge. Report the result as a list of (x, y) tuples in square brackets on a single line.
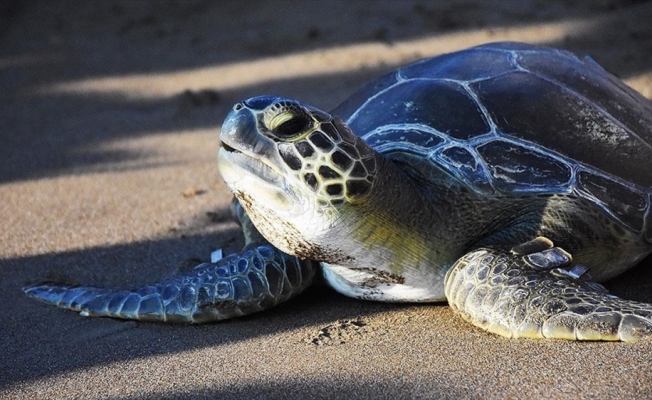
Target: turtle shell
[(511, 118)]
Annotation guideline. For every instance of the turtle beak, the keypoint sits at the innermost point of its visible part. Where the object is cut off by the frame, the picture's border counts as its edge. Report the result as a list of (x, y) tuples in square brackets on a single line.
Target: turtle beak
[(239, 131), (244, 148)]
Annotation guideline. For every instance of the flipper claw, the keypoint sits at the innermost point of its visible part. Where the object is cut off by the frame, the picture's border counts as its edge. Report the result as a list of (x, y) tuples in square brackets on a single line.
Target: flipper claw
[(548, 259), (533, 246)]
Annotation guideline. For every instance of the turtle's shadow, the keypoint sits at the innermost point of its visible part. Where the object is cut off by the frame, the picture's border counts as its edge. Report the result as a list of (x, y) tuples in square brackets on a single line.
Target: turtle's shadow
[(39, 333)]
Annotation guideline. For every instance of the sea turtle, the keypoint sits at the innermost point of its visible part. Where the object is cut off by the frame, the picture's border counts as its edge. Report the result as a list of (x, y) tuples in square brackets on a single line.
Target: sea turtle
[(449, 178)]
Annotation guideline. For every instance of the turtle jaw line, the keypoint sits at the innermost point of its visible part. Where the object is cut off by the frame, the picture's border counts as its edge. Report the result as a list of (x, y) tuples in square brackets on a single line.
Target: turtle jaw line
[(250, 152), (250, 163), (228, 148)]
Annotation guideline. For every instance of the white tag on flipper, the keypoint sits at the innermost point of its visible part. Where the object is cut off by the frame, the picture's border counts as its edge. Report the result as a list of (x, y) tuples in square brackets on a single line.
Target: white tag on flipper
[(578, 270), (216, 255)]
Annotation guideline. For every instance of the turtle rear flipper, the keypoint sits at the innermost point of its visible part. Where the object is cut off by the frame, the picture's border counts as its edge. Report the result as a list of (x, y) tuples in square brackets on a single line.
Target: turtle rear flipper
[(527, 295), (258, 278)]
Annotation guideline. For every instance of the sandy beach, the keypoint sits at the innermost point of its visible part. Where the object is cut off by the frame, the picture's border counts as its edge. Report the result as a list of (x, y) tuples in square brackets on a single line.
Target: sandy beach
[(109, 120)]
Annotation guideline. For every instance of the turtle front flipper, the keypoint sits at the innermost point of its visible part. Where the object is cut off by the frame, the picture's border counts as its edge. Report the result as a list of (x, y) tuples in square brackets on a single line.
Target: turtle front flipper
[(257, 278), (524, 293)]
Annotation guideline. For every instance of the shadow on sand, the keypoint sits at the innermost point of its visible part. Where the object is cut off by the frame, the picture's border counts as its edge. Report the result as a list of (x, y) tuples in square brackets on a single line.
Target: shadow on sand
[(36, 334)]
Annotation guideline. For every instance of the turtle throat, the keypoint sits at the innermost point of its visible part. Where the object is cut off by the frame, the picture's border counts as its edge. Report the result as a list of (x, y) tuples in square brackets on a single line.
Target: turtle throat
[(393, 230)]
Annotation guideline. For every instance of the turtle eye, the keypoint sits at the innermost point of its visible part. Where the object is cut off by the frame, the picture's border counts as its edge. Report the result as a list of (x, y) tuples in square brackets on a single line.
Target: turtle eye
[(289, 125)]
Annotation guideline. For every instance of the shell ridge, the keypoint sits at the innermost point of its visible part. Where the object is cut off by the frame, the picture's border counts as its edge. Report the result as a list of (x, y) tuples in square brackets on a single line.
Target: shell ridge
[(405, 145), (555, 189), (478, 103), (436, 156), (597, 107), (353, 116), (405, 127), (576, 166), (534, 148), (513, 58)]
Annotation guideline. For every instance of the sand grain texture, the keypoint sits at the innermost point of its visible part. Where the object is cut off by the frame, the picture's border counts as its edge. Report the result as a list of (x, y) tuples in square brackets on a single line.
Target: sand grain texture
[(109, 118)]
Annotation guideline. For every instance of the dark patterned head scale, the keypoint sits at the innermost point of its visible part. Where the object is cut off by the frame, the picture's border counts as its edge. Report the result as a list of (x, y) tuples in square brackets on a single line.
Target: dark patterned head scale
[(321, 151)]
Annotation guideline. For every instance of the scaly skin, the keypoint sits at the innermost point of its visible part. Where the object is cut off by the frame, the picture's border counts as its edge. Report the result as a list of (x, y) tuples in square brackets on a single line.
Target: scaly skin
[(240, 284), (523, 294), (257, 278)]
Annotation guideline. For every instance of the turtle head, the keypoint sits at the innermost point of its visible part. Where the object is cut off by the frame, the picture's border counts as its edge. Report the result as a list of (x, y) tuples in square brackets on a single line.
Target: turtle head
[(295, 169)]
